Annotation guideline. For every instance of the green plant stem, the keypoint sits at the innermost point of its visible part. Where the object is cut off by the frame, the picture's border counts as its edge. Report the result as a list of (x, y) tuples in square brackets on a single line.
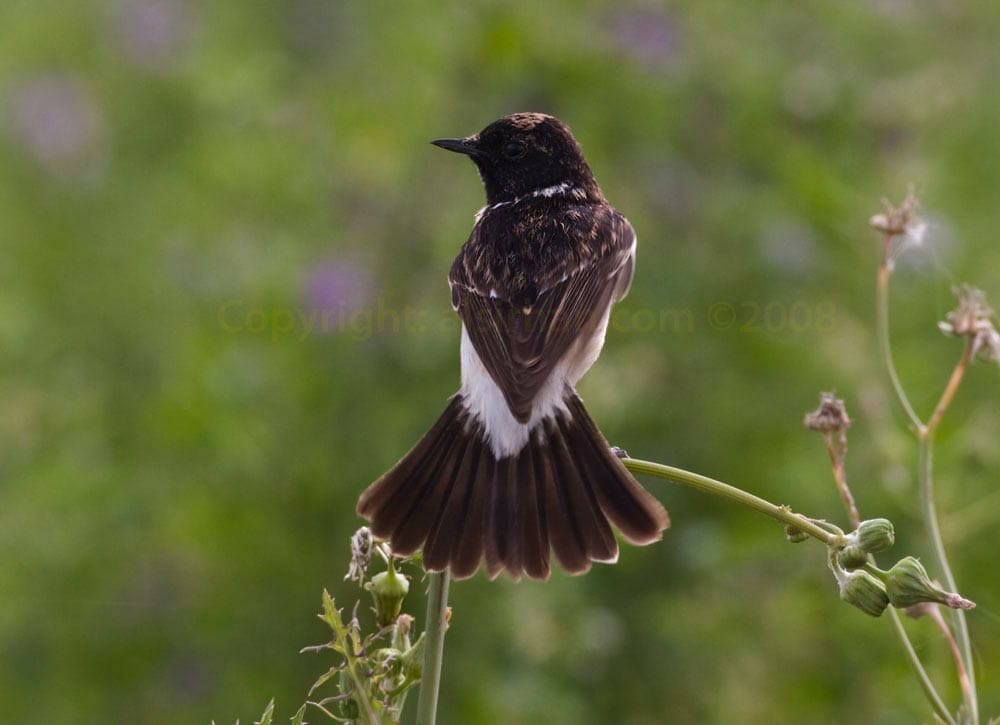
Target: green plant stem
[(958, 620), (925, 438), (358, 683), (346, 641), (840, 476), (882, 310), (737, 495), (918, 669), (956, 653), (779, 513), (430, 680), (949, 390)]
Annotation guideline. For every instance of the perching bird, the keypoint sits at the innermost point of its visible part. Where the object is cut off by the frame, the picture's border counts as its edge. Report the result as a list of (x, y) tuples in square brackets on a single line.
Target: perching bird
[(515, 465)]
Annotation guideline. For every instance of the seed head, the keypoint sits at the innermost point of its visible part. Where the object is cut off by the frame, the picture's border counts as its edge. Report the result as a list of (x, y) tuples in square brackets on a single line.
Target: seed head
[(830, 417), (973, 319), (900, 226), (361, 554), (901, 220)]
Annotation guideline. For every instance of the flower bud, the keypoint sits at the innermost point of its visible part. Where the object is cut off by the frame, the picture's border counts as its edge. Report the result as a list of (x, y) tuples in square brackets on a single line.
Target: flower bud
[(852, 557), (388, 590), (860, 589), (908, 584), (875, 535), (794, 534), (413, 660), (401, 632)]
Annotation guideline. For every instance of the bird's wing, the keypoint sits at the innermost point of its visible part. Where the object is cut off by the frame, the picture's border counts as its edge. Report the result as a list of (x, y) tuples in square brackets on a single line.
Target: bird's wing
[(521, 339)]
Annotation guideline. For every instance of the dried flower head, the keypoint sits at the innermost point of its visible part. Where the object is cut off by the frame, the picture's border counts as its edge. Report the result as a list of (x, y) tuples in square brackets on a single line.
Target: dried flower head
[(901, 219), (361, 555), (404, 623), (973, 319), (901, 227), (830, 417)]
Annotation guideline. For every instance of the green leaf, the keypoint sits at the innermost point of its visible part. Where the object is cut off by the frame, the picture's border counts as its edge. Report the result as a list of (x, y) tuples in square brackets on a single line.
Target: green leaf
[(268, 715), (323, 678)]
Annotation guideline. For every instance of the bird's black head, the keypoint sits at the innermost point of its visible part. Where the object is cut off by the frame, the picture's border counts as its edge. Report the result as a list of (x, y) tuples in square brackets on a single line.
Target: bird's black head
[(523, 153)]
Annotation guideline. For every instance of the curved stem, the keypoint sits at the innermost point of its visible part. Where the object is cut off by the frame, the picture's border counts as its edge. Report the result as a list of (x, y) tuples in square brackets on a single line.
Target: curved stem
[(783, 515), (956, 653), (737, 495), (840, 477), (430, 680), (925, 437), (918, 669), (949, 391), (929, 510), (882, 310)]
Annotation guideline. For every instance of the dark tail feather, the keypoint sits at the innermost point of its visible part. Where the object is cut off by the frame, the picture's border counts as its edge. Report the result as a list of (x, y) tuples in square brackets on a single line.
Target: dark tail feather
[(467, 547), (631, 508), (393, 500), (375, 498), (575, 477), (416, 529), (505, 525), (564, 534), (453, 497), (446, 531), (535, 538)]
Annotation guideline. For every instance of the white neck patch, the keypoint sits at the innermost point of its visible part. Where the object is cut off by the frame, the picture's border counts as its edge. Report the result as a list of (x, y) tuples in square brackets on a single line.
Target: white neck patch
[(563, 189)]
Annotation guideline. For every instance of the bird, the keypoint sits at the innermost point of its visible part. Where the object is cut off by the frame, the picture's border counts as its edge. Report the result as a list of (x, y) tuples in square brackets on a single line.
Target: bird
[(515, 469)]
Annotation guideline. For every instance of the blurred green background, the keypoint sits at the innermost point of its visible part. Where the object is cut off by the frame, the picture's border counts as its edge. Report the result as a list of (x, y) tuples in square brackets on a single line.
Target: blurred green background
[(184, 185)]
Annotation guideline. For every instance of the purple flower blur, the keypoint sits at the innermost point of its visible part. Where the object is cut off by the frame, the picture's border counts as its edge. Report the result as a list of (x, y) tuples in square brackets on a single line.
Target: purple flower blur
[(648, 36), (56, 120), (337, 288), (153, 32)]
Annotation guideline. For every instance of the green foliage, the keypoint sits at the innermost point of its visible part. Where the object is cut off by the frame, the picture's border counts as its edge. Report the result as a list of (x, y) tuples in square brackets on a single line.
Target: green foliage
[(268, 715), (183, 437), (372, 683)]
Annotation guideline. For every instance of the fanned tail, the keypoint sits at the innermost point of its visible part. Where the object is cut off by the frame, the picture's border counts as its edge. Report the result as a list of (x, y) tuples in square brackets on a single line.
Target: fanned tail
[(562, 492)]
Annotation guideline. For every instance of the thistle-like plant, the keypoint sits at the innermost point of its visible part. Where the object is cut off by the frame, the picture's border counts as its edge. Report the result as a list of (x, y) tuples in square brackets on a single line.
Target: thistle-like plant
[(374, 672)]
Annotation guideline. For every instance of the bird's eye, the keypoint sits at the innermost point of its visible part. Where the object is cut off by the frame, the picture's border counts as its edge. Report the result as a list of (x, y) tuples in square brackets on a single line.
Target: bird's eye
[(513, 150)]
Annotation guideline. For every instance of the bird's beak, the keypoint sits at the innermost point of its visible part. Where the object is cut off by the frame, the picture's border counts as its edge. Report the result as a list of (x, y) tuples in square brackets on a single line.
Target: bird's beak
[(465, 146)]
